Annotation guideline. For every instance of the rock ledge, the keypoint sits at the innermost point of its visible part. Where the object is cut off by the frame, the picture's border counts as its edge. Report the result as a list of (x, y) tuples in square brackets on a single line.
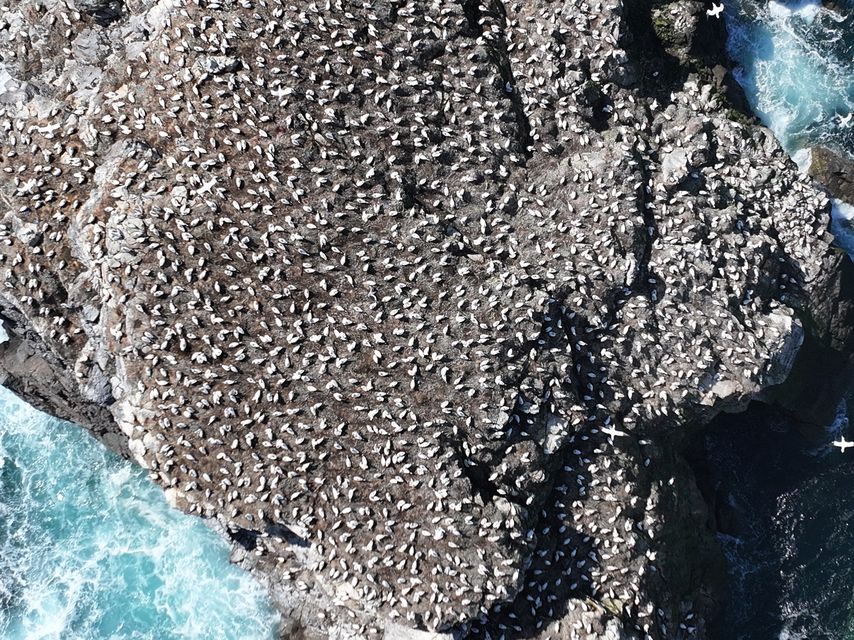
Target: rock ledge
[(414, 301)]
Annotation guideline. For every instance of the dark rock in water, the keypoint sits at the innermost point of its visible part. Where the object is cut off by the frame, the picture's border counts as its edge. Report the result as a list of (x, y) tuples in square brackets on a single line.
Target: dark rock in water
[(729, 87), (835, 171), (837, 6)]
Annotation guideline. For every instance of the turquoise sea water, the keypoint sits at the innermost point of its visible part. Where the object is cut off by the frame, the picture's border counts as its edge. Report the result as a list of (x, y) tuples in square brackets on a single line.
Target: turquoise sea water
[(90, 550), (787, 505), (796, 63), (797, 67)]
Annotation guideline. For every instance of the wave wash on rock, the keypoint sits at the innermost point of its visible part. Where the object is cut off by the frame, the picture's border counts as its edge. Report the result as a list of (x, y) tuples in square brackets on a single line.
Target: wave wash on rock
[(89, 548), (365, 281)]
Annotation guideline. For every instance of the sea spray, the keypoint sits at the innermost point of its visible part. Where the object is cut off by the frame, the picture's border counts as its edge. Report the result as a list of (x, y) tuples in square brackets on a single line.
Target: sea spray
[(89, 549), (795, 63)]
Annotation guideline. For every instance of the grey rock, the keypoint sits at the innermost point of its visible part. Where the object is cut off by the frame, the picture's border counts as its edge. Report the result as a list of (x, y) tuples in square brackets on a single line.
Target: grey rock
[(218, 64), (399, 632), (390, 305), (675, 166), (835, 171)]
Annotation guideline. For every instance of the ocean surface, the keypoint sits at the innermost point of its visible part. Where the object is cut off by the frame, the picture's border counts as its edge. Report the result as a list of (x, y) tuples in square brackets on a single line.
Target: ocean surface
[(786, 504), (786, 507), (89, 549), (797, 68)]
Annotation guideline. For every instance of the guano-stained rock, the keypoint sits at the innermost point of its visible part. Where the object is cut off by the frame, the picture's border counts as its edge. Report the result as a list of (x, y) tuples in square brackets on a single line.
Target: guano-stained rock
[(369, 285)]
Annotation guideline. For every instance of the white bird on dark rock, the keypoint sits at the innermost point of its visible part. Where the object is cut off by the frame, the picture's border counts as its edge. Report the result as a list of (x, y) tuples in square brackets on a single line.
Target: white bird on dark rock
[(612, 431)]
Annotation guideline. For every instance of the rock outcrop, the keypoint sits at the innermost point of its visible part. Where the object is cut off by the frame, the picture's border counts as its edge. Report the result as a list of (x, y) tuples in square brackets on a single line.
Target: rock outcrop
[(416, 300), (834, 170)]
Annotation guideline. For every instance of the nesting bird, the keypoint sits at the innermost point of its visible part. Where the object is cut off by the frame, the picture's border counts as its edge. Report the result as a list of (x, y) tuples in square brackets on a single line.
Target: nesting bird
[(406, 289)]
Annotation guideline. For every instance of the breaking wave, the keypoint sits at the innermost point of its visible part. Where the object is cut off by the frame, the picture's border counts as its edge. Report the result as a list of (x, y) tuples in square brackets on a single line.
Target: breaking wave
[(90, 550), (796, 64)]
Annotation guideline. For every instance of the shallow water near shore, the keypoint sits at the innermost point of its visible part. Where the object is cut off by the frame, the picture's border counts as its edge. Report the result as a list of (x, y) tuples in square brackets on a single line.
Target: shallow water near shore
[(786, 504), (89, 548)]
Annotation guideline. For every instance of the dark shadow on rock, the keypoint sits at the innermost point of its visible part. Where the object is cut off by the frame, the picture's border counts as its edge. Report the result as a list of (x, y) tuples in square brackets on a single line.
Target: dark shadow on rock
[(709, 36), (287, 534), (246, 538), (824, 366), (645, 41), (730, 89), (568, 566), (104, 12), (690, 568), (562, 558), (672, 41)]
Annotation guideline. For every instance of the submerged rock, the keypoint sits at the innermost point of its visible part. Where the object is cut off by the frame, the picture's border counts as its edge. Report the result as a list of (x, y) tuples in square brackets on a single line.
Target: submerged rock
[(419, 299)]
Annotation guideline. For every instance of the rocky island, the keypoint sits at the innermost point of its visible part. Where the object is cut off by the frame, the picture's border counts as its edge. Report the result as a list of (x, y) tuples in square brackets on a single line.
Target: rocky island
[(420, 303)]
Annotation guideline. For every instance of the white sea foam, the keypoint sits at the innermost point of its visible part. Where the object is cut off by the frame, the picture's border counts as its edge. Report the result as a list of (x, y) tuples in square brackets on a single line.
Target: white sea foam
[(795, 63), (806, 9), (788, 634), (803, 158), (843, 210), (90, 549), (835, 430), (842, 225)]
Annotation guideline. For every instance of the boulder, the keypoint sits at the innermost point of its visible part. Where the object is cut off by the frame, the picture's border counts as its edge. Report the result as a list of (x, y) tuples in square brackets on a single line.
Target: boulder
[(835, 171)]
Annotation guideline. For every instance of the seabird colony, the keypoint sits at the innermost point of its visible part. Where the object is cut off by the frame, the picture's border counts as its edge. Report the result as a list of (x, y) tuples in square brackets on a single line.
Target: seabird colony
[(366, 280)]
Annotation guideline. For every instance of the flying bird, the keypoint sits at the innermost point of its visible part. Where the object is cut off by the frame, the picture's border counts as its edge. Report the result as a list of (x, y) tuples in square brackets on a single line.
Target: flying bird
[(206, 187), (843, 444), (611, 431), (716, 10)]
